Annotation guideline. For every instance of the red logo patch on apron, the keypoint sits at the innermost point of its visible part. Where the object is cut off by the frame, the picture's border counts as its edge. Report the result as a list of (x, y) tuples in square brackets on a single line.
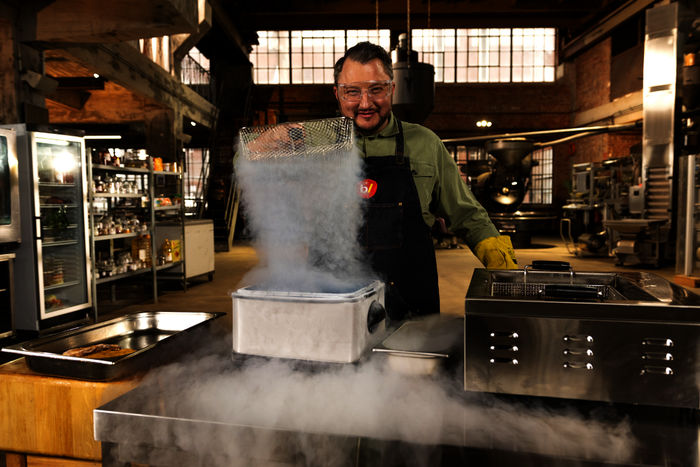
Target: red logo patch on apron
[(367, 188)]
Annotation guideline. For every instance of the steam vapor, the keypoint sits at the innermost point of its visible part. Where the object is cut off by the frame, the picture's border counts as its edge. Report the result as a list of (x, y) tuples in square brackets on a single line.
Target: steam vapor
[(304, 214)]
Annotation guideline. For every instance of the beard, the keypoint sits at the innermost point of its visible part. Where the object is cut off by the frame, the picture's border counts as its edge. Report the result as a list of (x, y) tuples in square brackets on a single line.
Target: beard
[(383, 118)]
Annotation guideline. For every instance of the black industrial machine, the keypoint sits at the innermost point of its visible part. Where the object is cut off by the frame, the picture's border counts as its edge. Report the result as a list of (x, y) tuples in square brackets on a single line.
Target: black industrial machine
[(501, 184)]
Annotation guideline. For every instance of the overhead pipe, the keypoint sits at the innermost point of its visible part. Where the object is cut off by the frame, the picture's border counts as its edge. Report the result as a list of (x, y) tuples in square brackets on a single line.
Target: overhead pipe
[(583, 131)]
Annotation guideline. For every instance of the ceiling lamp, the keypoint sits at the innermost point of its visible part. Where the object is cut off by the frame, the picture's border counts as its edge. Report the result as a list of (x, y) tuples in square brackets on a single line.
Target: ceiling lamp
[(414, 95)]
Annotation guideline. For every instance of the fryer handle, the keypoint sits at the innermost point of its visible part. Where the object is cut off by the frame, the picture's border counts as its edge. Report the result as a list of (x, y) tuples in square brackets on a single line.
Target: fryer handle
[(543, 265), (375, 315), (571, 292)]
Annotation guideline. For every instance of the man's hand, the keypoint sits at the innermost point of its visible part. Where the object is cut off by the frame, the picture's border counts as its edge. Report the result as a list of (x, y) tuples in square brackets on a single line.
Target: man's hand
[(280, 139), (496, 253)]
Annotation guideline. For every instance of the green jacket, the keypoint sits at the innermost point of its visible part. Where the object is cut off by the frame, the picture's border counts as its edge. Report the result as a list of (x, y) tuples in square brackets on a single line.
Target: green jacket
[(441, 190)]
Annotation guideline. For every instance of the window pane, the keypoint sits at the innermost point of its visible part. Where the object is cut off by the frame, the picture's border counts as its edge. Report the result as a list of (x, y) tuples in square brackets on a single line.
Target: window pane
[(538, 74), (549, 74), (284, 75), (461, 58), (517, 74), (471, 75), (538, 58), (517, 58), (505, 59), (307, 76), (549, 58)]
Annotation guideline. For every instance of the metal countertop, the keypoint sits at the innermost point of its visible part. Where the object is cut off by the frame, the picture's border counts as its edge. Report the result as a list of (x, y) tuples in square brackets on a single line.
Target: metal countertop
[(210, 409)]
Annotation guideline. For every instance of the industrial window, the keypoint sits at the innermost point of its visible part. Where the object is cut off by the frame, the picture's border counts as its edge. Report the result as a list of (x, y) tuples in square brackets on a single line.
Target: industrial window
[(540, 191), (306, 57), (196, 176), (195, 68), (493, 55)]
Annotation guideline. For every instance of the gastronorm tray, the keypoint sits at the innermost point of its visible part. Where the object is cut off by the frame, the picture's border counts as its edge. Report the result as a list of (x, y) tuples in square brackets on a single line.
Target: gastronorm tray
[(423, 346), (155, 337)]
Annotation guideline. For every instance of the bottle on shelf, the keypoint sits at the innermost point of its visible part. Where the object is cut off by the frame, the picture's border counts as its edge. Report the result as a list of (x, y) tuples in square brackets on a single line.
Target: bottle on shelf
[(167, 251), (141, 250)]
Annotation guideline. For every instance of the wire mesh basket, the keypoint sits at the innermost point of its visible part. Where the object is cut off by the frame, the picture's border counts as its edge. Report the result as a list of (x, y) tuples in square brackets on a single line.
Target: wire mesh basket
[(312, 138)]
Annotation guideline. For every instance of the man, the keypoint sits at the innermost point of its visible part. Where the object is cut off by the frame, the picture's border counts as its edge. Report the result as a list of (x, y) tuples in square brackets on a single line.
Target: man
[(410, 179)]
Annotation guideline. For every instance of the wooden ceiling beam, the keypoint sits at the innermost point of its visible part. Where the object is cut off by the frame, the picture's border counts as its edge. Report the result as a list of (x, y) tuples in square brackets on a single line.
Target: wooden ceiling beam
[(126, 66), (183, 43), (74, 99), (99, 21)]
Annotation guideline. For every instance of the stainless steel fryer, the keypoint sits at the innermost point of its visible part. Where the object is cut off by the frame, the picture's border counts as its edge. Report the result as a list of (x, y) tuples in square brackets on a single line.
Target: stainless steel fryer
[(630, 337), (318, 326)]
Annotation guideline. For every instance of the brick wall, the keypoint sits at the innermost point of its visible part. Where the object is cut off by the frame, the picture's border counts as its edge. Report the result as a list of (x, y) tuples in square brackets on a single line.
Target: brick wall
[(593, 77), (456, 110)]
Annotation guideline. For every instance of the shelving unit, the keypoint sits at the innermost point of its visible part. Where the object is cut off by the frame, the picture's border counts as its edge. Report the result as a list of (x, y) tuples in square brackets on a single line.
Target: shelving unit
[(7, 302), (169, 185), (134, 213)]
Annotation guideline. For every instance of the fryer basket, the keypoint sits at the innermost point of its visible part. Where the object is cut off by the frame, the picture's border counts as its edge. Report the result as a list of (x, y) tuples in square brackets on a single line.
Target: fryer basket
[(311, 138)]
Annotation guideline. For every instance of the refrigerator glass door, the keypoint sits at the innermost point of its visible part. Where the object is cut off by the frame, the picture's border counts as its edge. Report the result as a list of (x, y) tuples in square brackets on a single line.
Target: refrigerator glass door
[(5, 198), (9, 189), (60, 206)]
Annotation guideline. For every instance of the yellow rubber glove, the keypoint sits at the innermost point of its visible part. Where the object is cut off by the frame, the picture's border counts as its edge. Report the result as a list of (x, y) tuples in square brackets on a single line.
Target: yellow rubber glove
[(496, 253)]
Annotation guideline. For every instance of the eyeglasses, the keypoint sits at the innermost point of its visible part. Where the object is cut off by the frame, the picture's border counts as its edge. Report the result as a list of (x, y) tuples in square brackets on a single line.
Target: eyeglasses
[(352, 92)]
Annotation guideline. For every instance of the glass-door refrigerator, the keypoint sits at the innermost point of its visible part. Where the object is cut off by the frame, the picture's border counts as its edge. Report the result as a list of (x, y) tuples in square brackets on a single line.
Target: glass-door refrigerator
[(52, 268)]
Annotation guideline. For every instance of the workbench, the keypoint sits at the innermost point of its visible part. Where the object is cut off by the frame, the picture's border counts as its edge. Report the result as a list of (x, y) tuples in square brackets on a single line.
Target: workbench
[(48, 421)]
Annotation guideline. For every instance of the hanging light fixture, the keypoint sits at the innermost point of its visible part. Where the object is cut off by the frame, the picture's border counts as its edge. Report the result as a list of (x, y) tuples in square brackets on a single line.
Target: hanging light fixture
[(415, 81)]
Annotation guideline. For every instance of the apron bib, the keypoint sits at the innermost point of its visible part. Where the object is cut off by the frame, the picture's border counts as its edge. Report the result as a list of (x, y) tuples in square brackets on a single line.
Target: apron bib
[(396, 238)]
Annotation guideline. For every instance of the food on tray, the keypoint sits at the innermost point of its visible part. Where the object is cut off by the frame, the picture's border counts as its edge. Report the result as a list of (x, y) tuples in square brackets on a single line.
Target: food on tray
[(98, 351)]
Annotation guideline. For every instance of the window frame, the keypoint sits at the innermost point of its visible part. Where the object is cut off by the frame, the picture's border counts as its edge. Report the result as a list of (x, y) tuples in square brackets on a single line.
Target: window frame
[(296, 76), (461, 58)]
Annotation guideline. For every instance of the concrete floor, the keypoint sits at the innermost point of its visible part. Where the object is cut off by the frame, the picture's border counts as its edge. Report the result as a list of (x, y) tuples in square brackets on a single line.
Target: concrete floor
[(455, 268)]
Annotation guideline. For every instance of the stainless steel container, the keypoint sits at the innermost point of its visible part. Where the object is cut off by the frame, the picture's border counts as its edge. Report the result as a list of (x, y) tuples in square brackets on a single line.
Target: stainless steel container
[(423, 346), (327, 327), (629, 337), (156, 337)]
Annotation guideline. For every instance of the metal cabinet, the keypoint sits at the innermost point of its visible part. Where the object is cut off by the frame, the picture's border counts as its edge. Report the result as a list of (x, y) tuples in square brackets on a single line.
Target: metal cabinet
[(198, 252)]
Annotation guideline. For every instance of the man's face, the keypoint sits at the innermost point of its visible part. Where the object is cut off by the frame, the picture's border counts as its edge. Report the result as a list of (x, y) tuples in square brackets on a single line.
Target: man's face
[(371, 112)]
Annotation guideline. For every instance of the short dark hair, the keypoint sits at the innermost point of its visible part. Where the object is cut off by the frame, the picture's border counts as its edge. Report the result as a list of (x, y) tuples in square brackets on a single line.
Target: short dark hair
[(364, 52)]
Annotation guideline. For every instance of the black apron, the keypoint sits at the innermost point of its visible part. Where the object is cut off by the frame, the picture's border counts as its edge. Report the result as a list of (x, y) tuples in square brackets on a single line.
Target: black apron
[(397, 239)]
